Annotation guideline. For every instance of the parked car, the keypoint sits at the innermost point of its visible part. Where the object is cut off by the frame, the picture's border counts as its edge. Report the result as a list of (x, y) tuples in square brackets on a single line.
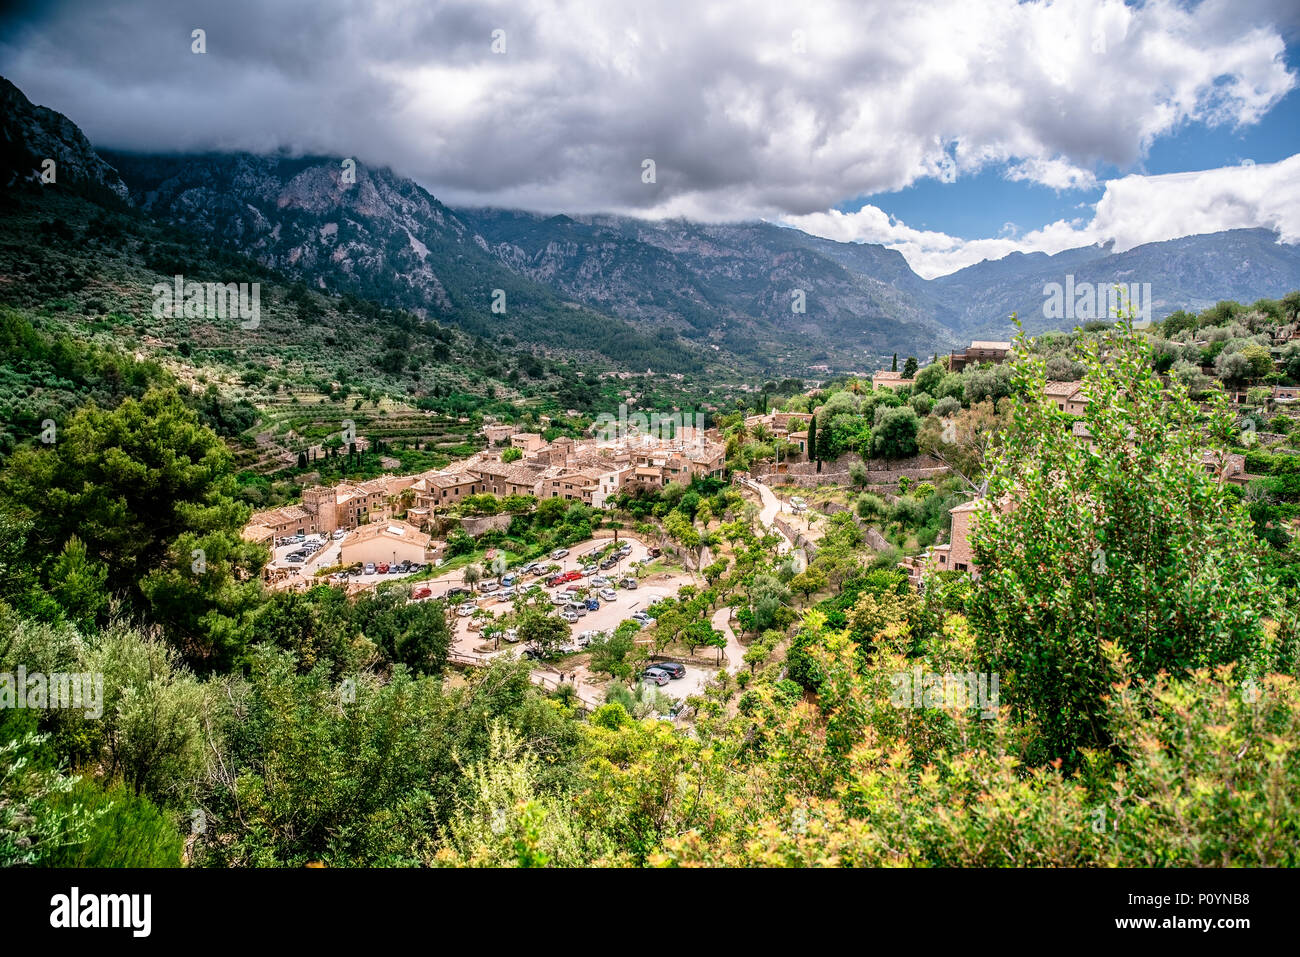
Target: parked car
[(488, 586), (657, 675), (592, 604), (653, 552), (608, 563), (531, 586), (560, 598), (421, 593), (629, 583), (295, 559), (529, 653), (571, 576), (641, 617), (456, 592), (569, 616), (559, 553), (464, 611), (506, 594), (508, 581), (608, 594), (578, 608), (339, 533), (673, 668), (574, 588), (585, 638), (511, 635), (370, 568)]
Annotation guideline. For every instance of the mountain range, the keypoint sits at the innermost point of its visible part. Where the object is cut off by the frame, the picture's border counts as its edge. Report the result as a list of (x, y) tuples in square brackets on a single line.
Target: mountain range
[(665, 293)]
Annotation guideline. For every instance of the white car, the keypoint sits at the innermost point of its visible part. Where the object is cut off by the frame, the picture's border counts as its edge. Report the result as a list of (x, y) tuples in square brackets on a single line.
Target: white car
[(464, 611), (561, 598), (507, 595), (570, 617), (559, 553), (600, 581), (511, 635), (608, 594), (339, 533), (488, 586)]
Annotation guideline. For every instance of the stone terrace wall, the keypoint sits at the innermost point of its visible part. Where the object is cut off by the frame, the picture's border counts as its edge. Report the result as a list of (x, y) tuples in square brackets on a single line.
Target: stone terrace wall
[(879, 471)]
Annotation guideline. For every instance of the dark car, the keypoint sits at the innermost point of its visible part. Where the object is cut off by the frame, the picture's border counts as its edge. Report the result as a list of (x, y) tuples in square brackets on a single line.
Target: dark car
[(593, 605), (673, 668), (456, 592)]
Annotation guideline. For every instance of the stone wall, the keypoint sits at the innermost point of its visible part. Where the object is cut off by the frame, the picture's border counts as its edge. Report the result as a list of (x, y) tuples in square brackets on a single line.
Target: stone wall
[(476, 525), (879, 471)]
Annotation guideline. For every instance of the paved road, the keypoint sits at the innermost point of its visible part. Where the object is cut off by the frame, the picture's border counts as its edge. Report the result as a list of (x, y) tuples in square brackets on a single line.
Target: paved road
[(735, 650), (770, 508)]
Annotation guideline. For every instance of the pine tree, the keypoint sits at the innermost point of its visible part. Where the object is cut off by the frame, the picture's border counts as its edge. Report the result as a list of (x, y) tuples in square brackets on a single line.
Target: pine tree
[(894, 367), (812, 441)]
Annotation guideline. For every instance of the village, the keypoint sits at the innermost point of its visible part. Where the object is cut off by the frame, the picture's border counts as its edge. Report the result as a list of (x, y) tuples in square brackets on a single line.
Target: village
[(360, 535)]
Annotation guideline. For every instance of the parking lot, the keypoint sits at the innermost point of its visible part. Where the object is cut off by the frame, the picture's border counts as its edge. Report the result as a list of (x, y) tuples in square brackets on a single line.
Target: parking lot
[(606, 618), (326, 557)]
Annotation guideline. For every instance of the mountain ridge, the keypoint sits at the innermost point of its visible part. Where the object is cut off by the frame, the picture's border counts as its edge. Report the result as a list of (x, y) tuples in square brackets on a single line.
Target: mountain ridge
[(647, 293)]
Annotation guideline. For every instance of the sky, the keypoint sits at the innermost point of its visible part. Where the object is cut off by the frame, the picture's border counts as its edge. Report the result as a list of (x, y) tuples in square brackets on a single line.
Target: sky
[(951, 130)]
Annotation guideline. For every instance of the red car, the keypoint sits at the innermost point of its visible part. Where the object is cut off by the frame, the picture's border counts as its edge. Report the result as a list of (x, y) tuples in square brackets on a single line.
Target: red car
[(574, 588), (382, 568), (420, 593), (571, 577)]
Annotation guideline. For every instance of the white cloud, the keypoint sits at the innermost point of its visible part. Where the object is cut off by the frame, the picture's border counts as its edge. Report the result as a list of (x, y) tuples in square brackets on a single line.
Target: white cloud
[(1133, 210), (741, 123), (1059, 174)]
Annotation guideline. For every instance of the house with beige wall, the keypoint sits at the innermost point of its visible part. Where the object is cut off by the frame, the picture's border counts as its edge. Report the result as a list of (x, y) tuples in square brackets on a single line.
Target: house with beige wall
[(527, 442), (391, 541), (889, 380)]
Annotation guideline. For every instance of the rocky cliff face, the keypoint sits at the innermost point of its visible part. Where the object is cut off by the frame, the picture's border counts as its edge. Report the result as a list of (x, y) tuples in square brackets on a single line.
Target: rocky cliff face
[(30, 135)]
